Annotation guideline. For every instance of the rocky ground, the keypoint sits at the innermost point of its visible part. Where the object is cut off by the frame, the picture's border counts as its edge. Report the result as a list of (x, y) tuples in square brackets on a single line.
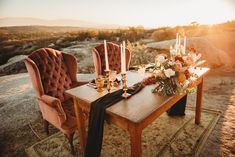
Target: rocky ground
[(81, 50), (219, 94), (20, 115)]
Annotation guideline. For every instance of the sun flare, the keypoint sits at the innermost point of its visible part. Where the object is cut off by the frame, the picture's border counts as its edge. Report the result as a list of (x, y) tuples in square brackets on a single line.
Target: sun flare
[(151, 13)]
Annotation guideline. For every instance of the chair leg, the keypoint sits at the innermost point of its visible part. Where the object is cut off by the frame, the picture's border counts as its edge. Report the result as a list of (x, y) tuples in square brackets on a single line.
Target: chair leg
[(70, 138), (46, 126)]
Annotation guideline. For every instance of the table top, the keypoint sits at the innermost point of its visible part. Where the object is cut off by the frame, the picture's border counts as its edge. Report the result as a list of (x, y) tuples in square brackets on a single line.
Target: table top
[(135, 108)]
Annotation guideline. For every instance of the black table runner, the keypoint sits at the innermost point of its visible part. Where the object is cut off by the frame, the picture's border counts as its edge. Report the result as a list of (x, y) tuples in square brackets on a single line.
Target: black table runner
[(97, 117)]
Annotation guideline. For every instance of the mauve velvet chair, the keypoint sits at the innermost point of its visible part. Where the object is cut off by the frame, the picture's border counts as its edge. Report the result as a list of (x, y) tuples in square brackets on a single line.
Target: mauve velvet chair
[(114, 57), (52, 72)]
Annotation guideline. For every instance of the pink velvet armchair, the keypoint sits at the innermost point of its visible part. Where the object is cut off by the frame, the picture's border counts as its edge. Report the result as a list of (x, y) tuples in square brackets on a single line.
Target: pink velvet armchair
[(52, 72), (114, 57)]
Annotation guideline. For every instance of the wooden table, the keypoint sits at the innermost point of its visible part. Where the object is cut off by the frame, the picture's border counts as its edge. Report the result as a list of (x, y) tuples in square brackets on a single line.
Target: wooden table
[(132, 114)]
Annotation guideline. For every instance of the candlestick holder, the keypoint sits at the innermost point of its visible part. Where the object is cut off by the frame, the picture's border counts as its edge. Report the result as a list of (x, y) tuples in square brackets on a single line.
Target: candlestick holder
[(124, 86), (107, 80)]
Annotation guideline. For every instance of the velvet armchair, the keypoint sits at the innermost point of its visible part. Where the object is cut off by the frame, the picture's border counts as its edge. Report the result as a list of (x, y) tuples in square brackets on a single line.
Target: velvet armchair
[(52, 72), (114, 57)]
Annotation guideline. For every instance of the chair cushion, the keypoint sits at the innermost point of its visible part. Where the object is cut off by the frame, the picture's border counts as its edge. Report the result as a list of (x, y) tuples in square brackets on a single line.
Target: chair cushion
[(53, 72)]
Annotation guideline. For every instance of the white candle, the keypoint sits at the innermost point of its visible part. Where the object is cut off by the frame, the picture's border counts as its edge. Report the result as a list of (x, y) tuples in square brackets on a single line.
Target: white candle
[(124, 57), (176, 42), (179, 40), (184, 44), (121, 59), (171, 48), (179, 46), (106, 56)]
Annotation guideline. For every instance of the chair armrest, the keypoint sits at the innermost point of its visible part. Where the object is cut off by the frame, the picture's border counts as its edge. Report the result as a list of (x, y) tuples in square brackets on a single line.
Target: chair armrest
[(78, 83), (52, 101)]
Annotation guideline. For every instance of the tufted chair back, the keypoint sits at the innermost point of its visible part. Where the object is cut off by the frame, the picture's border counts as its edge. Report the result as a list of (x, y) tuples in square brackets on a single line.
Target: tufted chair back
[(114, 57), (54, 73)]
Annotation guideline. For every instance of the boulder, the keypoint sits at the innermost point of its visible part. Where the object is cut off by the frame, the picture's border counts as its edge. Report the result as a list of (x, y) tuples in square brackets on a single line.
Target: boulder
[(59, 41), (51, 45), (13, 65)]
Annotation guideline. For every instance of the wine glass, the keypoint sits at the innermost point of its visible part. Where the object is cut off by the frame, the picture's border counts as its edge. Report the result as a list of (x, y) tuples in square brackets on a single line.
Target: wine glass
[(112, 77), (99, 84)]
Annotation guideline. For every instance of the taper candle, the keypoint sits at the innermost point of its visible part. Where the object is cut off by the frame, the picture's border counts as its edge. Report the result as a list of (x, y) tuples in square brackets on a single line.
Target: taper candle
[(176, 43), (124, 57), (179, 40), (121, 58), (184, 44), (106, 56)]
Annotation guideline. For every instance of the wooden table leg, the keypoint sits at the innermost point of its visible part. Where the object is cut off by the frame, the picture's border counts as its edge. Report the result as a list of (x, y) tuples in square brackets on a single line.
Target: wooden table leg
[(135, 139), (81, 125), (199, 102)]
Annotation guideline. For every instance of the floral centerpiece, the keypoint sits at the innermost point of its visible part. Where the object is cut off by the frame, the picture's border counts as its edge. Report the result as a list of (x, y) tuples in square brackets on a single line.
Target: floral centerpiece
[(175, 74)]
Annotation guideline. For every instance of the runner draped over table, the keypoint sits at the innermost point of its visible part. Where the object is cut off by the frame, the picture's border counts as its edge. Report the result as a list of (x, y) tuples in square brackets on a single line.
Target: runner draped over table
[(97, 117)]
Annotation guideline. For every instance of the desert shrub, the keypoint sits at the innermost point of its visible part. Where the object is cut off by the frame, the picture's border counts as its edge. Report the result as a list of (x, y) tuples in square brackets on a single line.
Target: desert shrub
[(165, 33), (103, 35), (84, 35), (159, 35), (134, 34), (141, 54)]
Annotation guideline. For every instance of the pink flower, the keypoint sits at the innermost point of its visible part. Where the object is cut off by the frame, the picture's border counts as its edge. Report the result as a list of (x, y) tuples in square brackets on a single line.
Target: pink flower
[(189, 60), (169, 72), (178, 66), (161, 59)]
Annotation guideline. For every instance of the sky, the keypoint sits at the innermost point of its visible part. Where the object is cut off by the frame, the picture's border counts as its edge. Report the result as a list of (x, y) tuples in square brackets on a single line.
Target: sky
[(148, 13)]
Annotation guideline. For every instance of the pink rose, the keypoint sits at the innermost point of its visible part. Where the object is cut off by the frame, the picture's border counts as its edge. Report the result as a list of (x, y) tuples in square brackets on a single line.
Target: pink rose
[(178, 66), (189, 60)]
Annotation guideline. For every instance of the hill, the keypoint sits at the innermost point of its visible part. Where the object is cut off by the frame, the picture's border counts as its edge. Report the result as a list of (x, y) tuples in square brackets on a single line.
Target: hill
[(26, 21)]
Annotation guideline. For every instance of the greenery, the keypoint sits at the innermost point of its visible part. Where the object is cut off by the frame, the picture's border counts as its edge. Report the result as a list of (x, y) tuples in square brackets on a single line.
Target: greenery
[(166, 86), (140, 53)]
